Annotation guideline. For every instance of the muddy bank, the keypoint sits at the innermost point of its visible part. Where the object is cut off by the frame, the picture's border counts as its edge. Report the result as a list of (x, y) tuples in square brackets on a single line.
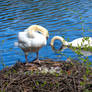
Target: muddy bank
[(48, 76)]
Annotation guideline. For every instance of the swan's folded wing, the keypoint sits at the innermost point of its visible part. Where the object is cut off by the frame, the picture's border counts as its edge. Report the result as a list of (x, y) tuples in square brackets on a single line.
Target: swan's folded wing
[(24, 40), (38, 41)]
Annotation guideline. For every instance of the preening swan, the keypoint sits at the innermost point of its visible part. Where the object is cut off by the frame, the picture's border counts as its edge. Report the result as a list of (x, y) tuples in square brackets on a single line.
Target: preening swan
[(32, 39), (80, 42)]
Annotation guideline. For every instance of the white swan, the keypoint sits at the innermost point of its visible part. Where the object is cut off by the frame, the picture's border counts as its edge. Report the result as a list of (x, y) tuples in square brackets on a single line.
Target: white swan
[(32, 39), (80, 42)]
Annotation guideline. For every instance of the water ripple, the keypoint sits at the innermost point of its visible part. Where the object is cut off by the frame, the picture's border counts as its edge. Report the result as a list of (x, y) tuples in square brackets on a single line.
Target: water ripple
[(64, 18)]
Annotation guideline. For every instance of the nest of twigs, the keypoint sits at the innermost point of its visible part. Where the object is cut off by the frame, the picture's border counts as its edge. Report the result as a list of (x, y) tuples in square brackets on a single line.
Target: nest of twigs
[(48, 76)]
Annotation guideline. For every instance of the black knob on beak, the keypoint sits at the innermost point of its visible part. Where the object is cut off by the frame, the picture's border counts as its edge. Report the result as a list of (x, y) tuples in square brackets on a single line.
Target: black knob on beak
[(47, 38)]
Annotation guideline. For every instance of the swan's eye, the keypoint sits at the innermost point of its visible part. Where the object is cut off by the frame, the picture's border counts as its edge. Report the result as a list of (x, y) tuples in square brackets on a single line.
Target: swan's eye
[(38, 32)]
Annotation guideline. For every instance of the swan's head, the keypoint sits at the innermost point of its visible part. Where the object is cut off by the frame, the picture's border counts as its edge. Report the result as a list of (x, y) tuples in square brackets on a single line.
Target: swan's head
[(40, 29)]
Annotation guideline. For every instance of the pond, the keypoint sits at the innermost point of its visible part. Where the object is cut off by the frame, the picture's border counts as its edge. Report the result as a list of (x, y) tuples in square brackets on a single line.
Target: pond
[(68, 18)]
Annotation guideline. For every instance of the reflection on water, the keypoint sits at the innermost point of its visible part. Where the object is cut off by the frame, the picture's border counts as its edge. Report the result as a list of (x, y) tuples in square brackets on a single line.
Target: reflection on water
[(66, 18)]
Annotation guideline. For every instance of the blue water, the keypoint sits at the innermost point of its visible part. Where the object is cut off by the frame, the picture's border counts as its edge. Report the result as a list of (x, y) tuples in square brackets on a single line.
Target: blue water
[(68, 18)]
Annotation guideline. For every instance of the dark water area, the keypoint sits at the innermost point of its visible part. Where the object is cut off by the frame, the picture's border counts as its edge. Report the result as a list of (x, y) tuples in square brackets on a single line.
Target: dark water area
[(67, 18)]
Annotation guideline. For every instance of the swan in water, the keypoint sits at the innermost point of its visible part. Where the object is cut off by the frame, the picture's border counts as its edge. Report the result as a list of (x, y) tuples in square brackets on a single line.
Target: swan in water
[(84, 42), (80, 42), (32, 39)]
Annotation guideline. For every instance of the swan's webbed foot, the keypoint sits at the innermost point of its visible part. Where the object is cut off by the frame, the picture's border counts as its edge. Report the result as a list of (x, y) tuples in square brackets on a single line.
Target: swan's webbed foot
[(37, 61), (29, 64)]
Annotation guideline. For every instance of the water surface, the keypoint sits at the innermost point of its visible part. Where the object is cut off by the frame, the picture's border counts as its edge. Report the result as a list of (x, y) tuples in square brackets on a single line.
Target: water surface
[(67, 18)]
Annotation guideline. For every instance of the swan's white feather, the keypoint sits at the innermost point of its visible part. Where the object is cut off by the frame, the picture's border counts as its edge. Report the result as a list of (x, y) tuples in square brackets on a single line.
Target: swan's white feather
[(34, 40), (81, 42)]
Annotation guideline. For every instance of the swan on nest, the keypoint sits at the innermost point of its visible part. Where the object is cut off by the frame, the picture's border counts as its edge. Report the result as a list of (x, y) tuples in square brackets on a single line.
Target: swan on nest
[(32, 39), (79, 42)]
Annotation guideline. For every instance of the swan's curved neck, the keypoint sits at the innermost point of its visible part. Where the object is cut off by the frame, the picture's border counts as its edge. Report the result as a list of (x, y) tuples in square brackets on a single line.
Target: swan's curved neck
[(39, 28), (58, 38)]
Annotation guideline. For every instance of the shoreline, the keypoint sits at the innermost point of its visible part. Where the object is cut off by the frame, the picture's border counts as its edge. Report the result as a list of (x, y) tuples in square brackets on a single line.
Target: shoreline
[(48, 76)]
